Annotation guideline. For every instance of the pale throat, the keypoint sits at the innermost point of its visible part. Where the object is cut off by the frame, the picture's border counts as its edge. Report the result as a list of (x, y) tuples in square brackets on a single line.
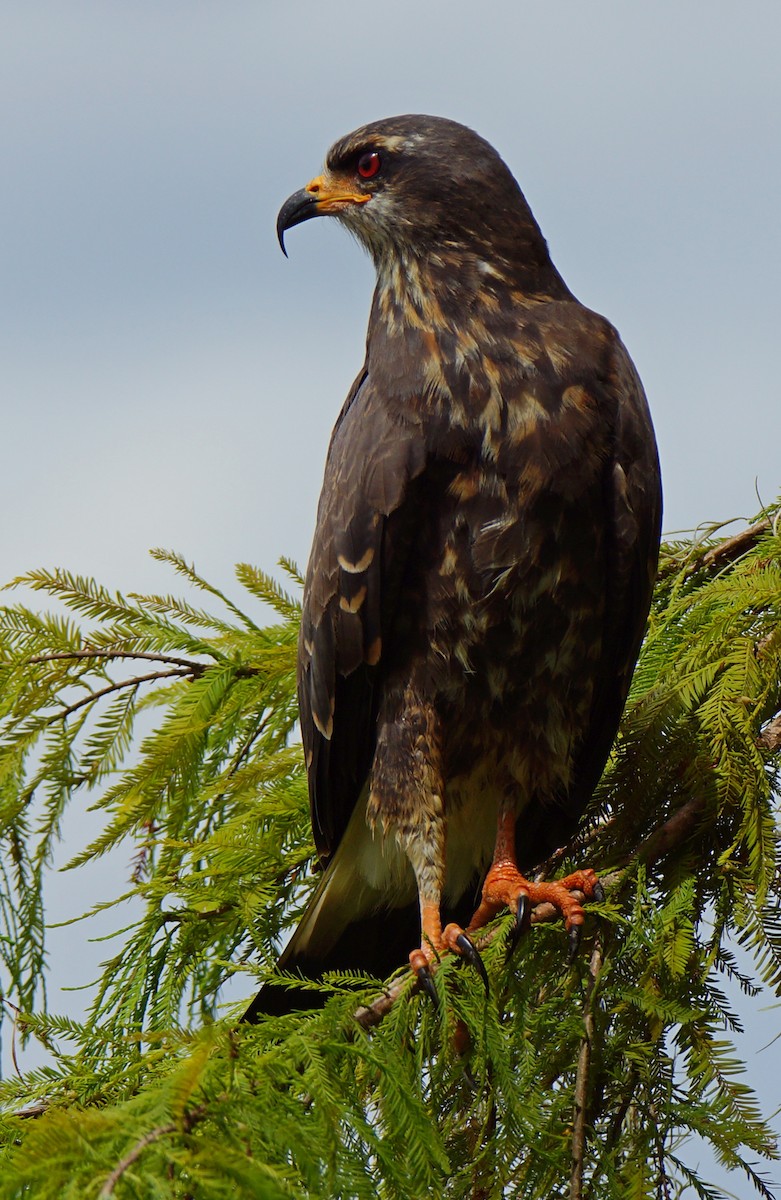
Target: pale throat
[(437, 290)]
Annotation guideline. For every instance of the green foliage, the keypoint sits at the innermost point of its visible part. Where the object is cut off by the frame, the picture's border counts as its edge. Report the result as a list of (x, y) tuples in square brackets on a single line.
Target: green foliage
[(579, 1081)]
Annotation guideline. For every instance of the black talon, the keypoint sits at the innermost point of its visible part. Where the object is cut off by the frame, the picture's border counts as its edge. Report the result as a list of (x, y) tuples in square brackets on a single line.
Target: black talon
[(574, 942), (523, 915), (520, 925), (599, 893), (471, 954), (426, 982)]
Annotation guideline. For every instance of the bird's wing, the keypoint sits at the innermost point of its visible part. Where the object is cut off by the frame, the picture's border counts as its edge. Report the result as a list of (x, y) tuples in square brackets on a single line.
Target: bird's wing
[(633, 512), (365, 524)]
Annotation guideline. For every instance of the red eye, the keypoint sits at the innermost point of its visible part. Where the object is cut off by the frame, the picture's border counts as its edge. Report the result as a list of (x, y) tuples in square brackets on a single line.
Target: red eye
[(369, 164)]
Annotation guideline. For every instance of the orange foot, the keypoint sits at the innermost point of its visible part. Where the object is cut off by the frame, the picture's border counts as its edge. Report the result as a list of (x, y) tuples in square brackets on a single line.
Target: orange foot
[(505, 887), (438, 941)]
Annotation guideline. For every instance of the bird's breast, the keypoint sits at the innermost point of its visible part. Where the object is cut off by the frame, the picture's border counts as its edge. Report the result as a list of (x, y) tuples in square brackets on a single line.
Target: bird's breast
[(504, 617), (500, 626)]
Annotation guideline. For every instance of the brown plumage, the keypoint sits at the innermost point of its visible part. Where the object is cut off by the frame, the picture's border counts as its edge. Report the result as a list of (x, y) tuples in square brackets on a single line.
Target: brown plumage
[(482, 566)]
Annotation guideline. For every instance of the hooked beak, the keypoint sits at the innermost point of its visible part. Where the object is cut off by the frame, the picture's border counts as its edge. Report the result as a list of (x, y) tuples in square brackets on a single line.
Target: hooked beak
[(317, 199), (301, 206)]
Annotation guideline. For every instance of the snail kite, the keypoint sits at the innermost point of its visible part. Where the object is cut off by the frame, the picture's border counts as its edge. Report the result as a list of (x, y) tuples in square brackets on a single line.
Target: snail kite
[(481, 572)]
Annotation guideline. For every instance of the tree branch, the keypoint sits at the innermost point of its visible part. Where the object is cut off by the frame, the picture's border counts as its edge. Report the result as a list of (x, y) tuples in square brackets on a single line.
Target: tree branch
[(148, 1139), (370, 1015), (55, 655), (660, 842), (734, 547), (582, 1075), (671, 833), (70, 709), (722, 552), (154, 1135)]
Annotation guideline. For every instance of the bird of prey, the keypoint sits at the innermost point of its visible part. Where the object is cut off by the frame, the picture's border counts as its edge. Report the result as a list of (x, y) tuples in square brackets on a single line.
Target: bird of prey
[(482, 566)]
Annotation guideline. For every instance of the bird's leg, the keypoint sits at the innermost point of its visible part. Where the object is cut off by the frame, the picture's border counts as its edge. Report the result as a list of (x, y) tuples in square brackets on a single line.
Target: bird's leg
[(427, 856), (407, 797), (505, 886), (435, 940), (430, 943)]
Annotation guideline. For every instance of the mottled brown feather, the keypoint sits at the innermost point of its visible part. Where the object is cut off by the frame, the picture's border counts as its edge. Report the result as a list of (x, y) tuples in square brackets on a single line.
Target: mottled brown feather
[(485, 546)]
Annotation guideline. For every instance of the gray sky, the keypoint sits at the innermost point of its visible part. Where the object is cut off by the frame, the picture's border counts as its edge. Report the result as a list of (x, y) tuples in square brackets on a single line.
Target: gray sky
[(169, 379)]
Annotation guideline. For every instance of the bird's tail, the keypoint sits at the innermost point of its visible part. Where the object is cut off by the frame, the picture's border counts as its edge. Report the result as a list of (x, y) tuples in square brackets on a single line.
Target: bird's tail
[(376, 942), (363, 916)]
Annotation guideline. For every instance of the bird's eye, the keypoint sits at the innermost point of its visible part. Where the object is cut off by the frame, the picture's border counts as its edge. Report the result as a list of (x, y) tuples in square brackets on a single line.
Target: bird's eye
[(369, 164)]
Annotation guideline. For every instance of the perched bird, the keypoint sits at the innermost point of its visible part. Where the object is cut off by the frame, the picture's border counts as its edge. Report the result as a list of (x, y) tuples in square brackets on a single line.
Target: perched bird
[(481, 572)]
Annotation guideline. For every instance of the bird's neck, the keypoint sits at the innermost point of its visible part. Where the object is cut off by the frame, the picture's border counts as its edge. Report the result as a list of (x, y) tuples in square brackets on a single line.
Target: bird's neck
[(446, 288)]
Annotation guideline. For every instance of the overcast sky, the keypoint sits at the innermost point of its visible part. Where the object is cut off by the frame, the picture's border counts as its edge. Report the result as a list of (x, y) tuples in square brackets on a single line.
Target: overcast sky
[(168, 378)]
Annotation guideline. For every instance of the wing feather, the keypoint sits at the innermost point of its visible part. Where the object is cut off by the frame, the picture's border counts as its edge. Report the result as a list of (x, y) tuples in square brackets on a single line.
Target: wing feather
[(633, 511), (373, 459)]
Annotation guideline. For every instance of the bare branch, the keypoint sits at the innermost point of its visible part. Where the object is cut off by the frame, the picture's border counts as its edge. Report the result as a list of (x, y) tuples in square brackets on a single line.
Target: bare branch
[(732, 548), (582, 1075), (70, 709), (249, 742), (371, 1015), (671, 833), (34, 1110), (148, 1139), (154, 1135), (718, 555), (196, 667)]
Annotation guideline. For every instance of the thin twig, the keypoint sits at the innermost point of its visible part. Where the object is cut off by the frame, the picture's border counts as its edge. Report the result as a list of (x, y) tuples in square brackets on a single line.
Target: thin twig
[(14, 1030), (249, 742), (732, 548), (617, 1124), (148, 655), (725, 551), (176, 918), (671, 833), (68, 711), (582, 1075), (154, 1135), (370, 1015), (16, 1012), (579, 843), (238, 758)]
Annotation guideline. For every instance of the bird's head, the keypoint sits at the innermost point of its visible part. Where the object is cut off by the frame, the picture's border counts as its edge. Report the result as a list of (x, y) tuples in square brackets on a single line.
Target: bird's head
[(417, 186)]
